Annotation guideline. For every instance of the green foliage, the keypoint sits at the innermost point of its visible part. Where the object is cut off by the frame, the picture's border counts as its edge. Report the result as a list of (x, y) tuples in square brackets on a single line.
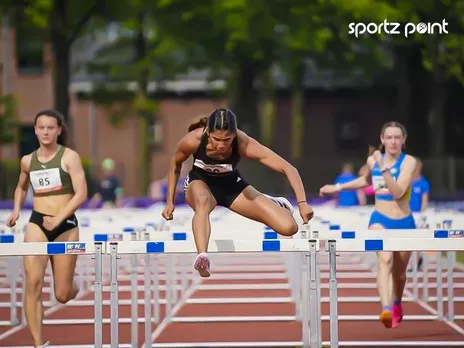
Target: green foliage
[(8, 119)]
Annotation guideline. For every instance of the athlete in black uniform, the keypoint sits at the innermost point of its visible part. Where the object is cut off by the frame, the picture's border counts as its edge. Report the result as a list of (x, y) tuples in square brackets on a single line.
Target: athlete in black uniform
[(217, 146)]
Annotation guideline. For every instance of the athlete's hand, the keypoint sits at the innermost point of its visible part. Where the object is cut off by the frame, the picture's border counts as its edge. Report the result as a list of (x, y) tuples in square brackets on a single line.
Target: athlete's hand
[(50, 222), (377, 155), (168, 210), (306, 212), (328, 190), (11, 221)]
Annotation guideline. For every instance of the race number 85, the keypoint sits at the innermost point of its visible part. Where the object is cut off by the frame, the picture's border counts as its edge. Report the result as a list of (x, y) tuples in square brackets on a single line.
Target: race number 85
[(44, 181)]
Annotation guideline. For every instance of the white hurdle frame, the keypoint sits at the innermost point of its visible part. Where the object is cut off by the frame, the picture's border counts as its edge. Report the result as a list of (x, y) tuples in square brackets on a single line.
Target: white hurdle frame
[(335, 246), (301, 246), (310, 247)]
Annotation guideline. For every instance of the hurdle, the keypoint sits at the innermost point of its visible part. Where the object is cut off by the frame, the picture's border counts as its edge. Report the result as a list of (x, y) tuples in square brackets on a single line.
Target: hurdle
[(335, 246), (309, 247), (67, 248)]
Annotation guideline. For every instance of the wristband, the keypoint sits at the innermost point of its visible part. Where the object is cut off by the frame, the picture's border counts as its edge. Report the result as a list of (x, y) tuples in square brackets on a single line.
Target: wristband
[(301, 202)]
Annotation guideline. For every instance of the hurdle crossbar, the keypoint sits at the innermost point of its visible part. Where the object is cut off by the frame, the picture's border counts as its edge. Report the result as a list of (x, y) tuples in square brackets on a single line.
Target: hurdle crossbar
[(310, 247), (378, 245)]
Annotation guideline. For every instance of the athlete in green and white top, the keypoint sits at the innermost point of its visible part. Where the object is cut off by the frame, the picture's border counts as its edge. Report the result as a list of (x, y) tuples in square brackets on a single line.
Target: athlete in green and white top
[(59, 188)]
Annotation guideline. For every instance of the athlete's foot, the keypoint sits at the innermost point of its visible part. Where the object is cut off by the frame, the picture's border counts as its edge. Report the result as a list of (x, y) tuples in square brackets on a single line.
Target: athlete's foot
[(397, 315), (47, 344), (202, 264), (386, 317)]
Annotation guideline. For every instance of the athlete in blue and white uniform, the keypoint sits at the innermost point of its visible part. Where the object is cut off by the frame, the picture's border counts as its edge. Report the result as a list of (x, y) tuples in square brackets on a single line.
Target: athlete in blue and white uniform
[(391, 175)]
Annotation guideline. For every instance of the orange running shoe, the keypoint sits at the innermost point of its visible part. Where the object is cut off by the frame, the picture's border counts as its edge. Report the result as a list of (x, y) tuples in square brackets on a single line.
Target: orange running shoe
[(386, 318)]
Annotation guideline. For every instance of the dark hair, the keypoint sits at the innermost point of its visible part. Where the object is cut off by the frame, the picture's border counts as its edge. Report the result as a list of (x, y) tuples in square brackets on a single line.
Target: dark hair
[(219, 119), (63, 137), (396, 125), (370, 150)]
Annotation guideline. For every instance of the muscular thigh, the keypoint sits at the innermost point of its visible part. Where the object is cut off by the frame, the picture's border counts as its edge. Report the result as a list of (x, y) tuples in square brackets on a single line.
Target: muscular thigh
[(384, 256), (64, 265), (253, 205), (197, 191), (34, 266)]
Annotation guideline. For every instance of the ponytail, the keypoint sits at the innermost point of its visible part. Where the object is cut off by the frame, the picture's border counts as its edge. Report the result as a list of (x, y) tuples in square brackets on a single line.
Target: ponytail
[(63, 137), (201, 123), (371, 150)]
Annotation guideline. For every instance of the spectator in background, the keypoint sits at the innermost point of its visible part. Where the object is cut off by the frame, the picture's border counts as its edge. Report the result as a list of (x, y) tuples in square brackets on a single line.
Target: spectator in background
[(420, 189), (158, 190), (349, 198), (109, 190)]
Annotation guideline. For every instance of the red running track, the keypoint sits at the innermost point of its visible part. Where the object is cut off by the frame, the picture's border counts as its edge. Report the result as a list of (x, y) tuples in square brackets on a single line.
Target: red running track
[(198, 332)]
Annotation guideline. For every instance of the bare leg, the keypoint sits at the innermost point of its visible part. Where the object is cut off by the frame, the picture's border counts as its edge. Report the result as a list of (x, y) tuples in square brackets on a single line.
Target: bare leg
[(34, 269), (200, 199), (63, 269), (400, 263), (384, 282), (258, 207)]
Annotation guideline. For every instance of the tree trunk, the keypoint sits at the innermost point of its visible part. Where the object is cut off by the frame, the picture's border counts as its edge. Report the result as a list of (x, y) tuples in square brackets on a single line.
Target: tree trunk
[(436, 118), (297, 111), (61, 83), (244, 95), (146, 118), (267, 107)]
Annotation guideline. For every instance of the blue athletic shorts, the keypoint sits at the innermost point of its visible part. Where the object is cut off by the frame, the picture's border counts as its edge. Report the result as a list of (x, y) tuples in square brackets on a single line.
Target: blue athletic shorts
[(405, 223)]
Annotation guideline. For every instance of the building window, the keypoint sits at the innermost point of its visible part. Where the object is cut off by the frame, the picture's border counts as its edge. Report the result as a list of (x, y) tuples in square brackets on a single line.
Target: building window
[(347, 132), (29, 49)]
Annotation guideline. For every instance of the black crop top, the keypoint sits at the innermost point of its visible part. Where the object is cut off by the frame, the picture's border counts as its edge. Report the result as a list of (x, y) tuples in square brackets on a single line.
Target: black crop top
[(206, 165)]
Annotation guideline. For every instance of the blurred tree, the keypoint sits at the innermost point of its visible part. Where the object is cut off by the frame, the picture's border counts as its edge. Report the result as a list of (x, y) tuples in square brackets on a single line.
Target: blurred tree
[(8, 119), (61, 22), (234, 39), (423, 62), (138, 53)]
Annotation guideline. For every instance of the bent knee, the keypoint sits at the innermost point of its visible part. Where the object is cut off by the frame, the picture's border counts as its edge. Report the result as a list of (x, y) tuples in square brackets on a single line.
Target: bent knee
[(386, 260), (288, 228), (202, 201), (63, 296), (34, 288)]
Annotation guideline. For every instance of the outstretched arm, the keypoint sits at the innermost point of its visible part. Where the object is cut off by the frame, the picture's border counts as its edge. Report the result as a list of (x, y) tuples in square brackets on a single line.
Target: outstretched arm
[(362, 181), (186, 147), (252, 149)]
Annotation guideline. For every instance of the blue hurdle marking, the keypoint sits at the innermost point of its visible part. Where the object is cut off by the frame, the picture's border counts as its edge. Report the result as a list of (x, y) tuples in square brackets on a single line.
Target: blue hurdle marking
[(65, 248), (155, 247), (270, 235), (56, 248), (373, 245), (179, 236), (325, 222), (271, 245), (128, 229), (334, 227), (7, 238), (440, 234), (348, 234), (100, 237)]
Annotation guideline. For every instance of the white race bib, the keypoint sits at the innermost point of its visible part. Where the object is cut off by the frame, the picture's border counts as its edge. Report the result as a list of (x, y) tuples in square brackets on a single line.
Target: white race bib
[(46, 180), (378, 183), (214, 168)]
